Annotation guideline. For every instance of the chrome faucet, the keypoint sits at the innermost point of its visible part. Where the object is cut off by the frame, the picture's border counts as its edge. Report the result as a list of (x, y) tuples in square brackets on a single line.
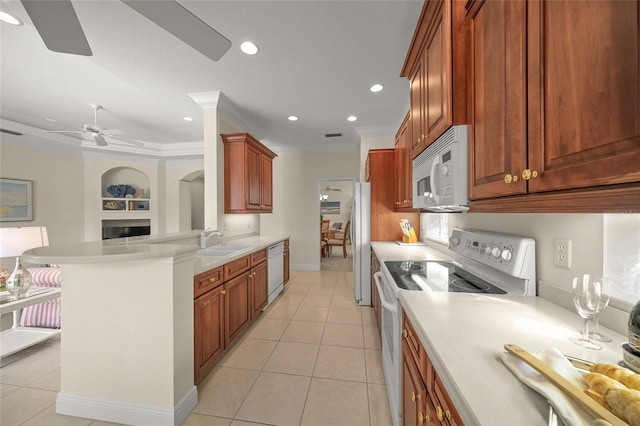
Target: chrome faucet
[(206, 234)]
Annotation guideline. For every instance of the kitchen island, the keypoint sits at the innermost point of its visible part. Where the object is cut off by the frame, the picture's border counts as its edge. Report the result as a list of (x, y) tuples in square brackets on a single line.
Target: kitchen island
[(127, 346)]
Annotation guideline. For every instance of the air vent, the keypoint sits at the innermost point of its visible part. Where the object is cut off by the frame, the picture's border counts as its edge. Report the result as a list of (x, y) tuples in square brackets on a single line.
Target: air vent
[(332, 135), (10, 132)]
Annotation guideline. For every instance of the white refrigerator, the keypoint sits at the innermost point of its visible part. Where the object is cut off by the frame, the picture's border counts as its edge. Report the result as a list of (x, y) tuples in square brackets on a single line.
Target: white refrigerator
[(361, 242)]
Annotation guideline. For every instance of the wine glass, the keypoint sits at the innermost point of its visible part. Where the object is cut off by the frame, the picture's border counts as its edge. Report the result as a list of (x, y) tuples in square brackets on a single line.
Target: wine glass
[(604, 301), (587, 299)]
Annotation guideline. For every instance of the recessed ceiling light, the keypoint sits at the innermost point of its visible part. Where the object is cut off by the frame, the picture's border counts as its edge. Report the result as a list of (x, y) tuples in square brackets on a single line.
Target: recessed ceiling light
[(249, 48), (293, 118), (376, 88), (9, 19), (352, 118), (188, 119)]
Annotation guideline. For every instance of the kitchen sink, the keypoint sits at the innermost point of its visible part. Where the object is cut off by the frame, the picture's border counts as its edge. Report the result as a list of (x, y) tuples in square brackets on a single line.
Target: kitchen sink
[(222, 250)]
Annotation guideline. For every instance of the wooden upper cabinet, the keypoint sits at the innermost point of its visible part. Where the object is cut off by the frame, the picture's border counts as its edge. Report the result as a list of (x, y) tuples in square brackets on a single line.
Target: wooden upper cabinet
[(436, 68), (584, 89), (497, 70), (248, 175), (555, 106), (404, 166), (381, 166)]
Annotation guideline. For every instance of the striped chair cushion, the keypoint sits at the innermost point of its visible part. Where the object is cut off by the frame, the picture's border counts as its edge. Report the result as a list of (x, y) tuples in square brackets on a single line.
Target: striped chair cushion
[(46, 277), (45, 314)]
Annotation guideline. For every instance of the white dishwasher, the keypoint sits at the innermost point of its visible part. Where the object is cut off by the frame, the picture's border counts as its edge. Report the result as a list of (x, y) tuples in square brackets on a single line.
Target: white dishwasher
[(275, 266)]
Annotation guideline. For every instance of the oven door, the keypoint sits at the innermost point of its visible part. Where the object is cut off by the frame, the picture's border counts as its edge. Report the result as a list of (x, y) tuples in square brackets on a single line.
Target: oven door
[(391, 314)]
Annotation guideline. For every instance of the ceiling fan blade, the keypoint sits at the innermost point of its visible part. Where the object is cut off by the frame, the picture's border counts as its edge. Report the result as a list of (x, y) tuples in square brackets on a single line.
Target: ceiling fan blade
[(62, 131), (100, 141), (184, 25), (58, 26)]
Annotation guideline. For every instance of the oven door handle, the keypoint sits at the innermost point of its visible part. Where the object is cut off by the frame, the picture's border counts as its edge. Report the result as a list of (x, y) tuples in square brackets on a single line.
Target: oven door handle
[(391, 307)]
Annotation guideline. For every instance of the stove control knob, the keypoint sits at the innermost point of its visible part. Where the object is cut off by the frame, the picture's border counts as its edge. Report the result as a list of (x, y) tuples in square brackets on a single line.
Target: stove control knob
[(506, 255), (496, 252), (454, 240), (488, 250)]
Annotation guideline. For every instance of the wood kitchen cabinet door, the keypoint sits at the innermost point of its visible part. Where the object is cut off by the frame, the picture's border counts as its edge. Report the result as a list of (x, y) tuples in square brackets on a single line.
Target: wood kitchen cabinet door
[(404, 167), (259, 288), (254, 178), (584, 93), (414, 393), (498, 133), (237, 306), (208, 312)]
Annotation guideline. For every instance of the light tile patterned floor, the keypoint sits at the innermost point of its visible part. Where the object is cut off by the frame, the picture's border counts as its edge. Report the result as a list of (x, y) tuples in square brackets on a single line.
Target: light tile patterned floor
[(312, 358)]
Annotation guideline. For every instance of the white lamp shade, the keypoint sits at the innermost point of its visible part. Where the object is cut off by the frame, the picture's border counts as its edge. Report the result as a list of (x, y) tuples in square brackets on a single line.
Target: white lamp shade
[(14, 241)]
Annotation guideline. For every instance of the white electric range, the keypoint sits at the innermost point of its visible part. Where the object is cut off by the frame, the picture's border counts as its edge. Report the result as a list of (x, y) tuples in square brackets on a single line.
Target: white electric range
[(483, 262)]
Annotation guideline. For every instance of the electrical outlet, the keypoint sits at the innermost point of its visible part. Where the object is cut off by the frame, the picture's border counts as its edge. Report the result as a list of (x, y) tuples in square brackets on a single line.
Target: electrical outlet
[(562, 252)]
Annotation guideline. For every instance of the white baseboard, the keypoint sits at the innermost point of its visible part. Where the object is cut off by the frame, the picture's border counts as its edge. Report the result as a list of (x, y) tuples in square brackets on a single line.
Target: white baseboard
[(126, 412)]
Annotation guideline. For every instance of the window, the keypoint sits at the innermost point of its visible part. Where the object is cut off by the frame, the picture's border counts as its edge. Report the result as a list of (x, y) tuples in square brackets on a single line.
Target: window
[(621, 250), (437, 227)]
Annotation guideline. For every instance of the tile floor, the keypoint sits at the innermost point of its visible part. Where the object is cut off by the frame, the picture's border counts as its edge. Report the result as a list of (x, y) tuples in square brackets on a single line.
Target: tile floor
[(312, 358)]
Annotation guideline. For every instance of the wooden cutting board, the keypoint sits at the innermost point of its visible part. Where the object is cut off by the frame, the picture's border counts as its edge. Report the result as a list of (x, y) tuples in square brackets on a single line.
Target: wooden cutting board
[(565, 385)]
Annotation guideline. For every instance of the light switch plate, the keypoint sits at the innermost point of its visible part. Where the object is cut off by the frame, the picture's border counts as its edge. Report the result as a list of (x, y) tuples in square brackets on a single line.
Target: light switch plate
[(562, 252)]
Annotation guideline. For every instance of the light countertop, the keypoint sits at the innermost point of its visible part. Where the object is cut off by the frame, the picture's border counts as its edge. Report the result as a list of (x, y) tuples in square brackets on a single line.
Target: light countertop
[(394, 251), (144, 247), (464, 333)]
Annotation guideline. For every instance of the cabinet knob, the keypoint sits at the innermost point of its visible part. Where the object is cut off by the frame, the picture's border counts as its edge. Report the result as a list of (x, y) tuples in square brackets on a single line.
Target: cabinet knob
[(528, 174), (212, 279), (447, 414), (421, 417), (223, 292), (404, 333), (413, 396), (508, 178), (439, 413)]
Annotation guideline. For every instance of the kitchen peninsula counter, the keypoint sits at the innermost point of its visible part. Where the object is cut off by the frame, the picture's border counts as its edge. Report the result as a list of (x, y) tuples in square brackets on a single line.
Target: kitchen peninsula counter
[(127, 348), (464, 334)]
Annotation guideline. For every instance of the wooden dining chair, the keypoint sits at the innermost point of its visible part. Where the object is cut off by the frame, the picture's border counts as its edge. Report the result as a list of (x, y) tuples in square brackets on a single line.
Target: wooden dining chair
[(340, 239)]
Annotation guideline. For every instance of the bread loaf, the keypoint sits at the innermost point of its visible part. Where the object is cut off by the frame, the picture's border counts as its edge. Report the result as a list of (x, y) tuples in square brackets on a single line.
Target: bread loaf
[(620, 400), (621, 374)]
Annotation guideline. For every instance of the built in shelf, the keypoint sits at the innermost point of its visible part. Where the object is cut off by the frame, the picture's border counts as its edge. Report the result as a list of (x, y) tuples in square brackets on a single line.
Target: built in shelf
[(125, 204)]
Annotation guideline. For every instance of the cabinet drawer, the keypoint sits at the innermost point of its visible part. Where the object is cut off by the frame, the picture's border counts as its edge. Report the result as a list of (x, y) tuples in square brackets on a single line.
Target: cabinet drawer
[(206, 281), (258, 257), (235, 268)]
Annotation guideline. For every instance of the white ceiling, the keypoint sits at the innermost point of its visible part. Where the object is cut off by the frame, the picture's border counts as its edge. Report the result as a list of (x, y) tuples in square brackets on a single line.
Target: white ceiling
[(317, 60)]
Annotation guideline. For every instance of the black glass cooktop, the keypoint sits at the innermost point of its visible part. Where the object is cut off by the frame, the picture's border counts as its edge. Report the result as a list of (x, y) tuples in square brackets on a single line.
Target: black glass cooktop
[(437, 276)]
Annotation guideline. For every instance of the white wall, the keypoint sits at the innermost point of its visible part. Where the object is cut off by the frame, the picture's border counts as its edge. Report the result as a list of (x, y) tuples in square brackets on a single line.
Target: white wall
[(296, 203), (57, 188), (178, 199)]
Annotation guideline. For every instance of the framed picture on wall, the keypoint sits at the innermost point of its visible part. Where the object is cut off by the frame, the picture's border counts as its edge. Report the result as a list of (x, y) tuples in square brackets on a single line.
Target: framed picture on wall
[(16, 200), (330, 207)]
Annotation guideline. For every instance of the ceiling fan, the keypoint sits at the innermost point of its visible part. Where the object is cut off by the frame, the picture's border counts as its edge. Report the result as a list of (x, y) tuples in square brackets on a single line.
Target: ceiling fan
[(60, 29), (97, 133)]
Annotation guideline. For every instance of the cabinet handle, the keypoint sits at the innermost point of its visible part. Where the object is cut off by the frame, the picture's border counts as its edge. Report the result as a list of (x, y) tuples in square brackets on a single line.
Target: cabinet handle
[(439, 413), (223, 292), (421, 417), (528, 174), (404, 333), (508, 178)]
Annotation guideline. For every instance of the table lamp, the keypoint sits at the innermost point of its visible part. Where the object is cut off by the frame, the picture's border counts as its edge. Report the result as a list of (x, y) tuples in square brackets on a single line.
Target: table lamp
[(13, 242)]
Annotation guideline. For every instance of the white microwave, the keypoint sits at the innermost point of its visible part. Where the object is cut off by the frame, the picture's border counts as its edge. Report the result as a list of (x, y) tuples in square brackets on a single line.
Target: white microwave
[(440, 174)]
